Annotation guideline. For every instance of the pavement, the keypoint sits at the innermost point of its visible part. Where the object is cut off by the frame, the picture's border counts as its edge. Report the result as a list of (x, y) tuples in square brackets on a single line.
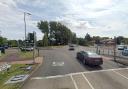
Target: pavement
[(13, 58), (61, 70)]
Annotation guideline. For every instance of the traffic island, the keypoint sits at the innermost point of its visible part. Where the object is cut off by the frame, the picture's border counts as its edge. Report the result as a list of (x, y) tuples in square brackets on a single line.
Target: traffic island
[(14, 77), (13, 71)]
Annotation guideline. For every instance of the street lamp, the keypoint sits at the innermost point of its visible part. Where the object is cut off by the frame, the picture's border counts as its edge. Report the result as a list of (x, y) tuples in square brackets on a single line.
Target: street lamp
[(25, 13)]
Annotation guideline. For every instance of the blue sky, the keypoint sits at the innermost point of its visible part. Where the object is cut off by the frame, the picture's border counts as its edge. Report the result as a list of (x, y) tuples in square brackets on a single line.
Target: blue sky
[(96, 17)]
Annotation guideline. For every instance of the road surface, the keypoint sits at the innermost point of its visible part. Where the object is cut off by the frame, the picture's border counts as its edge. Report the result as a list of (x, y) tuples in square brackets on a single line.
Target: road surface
[(61, 70)]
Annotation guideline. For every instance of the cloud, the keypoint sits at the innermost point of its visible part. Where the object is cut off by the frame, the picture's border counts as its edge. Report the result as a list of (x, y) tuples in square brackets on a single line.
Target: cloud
[(97, 17)]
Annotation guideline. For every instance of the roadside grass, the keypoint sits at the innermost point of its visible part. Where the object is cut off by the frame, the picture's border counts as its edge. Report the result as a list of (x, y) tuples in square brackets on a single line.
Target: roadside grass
[(27, 55), (3, 55), (14, 70)]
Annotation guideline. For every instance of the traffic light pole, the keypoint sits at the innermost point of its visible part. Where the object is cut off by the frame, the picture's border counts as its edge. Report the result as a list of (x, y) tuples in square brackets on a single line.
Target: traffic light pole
[(114, 48), (34, 46)]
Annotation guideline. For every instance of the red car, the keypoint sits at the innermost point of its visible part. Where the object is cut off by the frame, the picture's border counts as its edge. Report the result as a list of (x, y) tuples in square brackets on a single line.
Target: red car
[(90, 58)]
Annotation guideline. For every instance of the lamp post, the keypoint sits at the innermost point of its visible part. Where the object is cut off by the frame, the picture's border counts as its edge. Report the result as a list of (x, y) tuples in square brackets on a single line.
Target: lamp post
[(25, 13)]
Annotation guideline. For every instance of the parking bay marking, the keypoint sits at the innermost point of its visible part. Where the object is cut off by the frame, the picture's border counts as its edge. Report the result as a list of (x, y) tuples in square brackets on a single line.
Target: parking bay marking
[(57, 76), (120, 74), (87, 81), (74, 82)]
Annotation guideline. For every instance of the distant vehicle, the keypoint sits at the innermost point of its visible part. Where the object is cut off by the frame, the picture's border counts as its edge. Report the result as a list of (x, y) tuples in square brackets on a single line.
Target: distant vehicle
[(90, 58), (26, 48), (71, 45), (1, 48), (125, 52), (6, 47), (122, 47), (71, 48)]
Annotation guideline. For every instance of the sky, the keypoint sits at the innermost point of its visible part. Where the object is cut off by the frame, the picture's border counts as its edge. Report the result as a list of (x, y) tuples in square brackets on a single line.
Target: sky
[(106, 18)]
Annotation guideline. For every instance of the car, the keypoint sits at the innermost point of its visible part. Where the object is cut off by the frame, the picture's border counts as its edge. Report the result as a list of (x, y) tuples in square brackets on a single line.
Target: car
[(71, 48), (122, 47), (125, 52), (6, 47), (90, 58), (26, 48), (71, 45)]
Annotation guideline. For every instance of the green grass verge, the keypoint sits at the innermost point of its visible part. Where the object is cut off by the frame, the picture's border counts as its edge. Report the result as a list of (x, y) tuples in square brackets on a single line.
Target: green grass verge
[(14, 70), (27, 55), (3, 55)]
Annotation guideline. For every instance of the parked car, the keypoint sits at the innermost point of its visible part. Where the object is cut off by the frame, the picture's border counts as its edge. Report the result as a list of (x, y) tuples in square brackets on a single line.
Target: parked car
[(2, 49), (90, 58), (26, 48), (6, 47), (122, 47), (125, 52)]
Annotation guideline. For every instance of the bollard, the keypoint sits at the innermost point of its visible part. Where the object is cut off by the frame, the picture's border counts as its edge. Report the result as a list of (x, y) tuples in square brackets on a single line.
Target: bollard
[(99, 52), (103, 51), (38, 52), (0, 53)]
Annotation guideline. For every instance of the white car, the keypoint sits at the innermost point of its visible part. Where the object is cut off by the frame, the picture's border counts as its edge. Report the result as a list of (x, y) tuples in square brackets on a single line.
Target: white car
[(122, 47)]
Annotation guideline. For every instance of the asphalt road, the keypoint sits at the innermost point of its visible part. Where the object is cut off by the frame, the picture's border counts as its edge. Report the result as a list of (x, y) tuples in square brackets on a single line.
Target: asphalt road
[(61, 70)]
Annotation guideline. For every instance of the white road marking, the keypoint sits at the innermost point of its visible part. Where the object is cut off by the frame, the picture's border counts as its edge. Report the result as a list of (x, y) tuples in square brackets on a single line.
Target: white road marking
[(57, 63), (49, 77), (87, 72), (120, 74), (105, 70), (88, 81), (74, 82)]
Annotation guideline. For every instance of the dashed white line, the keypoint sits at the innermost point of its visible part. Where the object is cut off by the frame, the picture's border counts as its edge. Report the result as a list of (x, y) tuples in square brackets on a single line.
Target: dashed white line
[(88, 81), (74, 82), (120, 74)]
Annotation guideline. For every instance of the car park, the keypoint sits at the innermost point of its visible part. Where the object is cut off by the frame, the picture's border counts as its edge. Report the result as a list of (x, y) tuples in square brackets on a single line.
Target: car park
[(90, 58), (122, 47)]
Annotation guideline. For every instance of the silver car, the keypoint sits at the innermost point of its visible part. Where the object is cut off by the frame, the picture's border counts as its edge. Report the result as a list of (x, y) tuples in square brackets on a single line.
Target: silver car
[(125, 52)]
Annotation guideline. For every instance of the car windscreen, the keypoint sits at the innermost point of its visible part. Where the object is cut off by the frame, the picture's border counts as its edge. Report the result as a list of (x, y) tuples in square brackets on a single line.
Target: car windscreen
[(90, 54)]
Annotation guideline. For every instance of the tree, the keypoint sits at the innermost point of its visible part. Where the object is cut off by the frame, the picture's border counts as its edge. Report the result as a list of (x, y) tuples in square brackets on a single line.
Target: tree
[(39, 43), (119, 39), (96, 39), (74, 40), (3, 41), (88, 37), (43, 26), (45, 40), (13, 43), (81, 41), (55, 31)]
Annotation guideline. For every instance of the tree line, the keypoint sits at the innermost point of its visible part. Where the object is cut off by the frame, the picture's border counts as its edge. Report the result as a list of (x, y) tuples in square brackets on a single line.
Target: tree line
[(55, 33)]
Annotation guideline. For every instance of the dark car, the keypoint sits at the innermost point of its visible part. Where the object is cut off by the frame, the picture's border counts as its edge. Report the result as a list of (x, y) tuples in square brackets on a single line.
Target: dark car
[(125, 52), (71, 48), (90, 58)]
